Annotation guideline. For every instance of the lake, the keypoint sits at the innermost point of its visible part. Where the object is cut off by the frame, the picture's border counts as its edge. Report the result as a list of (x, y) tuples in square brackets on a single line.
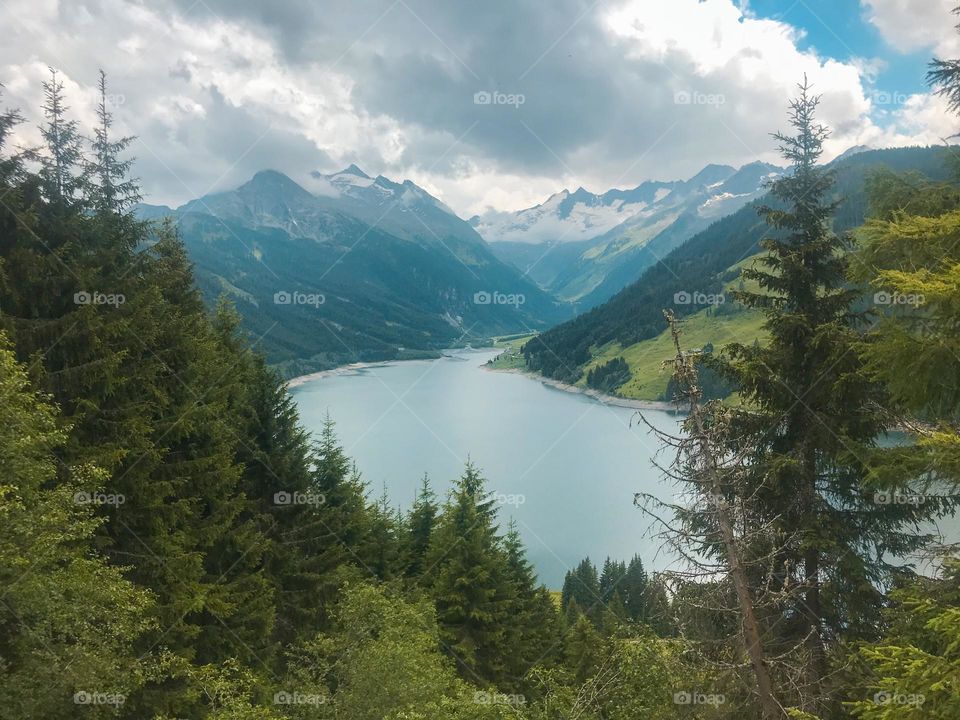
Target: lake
[(563, 465)]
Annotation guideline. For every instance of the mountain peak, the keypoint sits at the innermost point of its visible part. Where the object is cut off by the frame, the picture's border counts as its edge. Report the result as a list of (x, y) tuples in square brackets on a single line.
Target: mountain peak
[(353, 170), (266, 180)]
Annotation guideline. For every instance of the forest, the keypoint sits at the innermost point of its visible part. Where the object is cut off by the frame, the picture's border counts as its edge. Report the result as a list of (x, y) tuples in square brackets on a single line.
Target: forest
[(173, 544)]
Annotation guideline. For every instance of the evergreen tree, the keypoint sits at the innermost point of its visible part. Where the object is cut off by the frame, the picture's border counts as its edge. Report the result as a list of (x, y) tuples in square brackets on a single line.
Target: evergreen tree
[(611, 578), (419, 528), (68, 621), (582, 648), (633, 588), (112, 190), (581, 584), (810, 412), (469, 582), (63, 171), (386, 525), (533, 629)]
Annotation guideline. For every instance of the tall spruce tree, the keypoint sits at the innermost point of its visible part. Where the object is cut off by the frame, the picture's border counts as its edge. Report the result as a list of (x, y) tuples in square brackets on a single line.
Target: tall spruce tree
[(533, 629), (112, 190), (420, 526), (469, 582), (634, 589), (63, 170), (809, 414)]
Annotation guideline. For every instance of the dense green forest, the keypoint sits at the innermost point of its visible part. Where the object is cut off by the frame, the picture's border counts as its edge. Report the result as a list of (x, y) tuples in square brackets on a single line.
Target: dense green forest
[(173, 544)]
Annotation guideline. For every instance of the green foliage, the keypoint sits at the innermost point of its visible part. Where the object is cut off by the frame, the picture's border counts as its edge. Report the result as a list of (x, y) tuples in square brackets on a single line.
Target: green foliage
[(912, 672), (810, 418), (468, 581), (609, 376), (69, 620)]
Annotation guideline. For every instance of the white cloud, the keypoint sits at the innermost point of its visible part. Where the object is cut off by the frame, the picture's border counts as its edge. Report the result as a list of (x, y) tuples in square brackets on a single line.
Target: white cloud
[(909, 25), (216, 97)]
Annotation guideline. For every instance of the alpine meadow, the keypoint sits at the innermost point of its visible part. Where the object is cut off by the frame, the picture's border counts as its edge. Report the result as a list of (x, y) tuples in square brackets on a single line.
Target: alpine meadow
[(328, 391)]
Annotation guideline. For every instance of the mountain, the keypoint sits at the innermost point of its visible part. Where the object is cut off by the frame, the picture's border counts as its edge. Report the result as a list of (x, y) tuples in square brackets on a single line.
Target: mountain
[(584, 247), (706, 263), (354, 269)]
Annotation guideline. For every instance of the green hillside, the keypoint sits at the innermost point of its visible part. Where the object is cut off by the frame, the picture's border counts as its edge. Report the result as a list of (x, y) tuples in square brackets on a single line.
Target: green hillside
[(706, 263)]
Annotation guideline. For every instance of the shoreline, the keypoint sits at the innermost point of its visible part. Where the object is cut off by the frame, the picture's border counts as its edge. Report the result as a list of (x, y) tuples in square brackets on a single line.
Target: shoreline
[(353, 368), (600, 397), (349, 369)]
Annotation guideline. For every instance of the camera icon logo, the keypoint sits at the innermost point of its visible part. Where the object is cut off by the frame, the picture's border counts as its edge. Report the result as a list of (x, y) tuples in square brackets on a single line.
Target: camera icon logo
[(482, 98)]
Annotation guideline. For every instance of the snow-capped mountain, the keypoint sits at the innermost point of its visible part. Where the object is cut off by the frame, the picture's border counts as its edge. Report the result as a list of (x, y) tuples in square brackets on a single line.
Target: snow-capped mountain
[(404, 209), (583, 246), (581, 215), (570, 216)]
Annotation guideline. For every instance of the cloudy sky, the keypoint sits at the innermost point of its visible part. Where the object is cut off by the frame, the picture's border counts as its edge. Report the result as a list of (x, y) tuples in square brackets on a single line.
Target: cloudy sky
[(486, 104)]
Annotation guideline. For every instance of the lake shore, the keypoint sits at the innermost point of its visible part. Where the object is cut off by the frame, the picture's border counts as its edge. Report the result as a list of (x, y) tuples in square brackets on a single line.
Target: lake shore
[(600, 397), (350, 369), (354, 368)]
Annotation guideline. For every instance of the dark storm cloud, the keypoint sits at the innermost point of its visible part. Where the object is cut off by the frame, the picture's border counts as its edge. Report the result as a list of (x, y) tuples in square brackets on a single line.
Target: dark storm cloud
[(235, 145)]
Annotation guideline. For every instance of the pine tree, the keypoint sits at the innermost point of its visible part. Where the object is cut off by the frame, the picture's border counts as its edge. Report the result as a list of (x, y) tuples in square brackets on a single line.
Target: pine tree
[(112, 190), (581, 584), (68, 621), (582, 648), (469, 582), (532, 630), (633, 588), (419, 528), (611, 577), (63, 167), (386, 525), (811, 413)]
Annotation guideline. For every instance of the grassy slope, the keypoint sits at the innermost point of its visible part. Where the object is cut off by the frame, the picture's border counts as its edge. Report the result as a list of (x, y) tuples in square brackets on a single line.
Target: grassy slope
[(511, 358), (648, 380)]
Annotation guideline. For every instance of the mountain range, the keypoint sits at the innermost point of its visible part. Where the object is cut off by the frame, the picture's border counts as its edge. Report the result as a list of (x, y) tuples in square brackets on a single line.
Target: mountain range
[(630, 325), (584, 247), (354, 269), (346, 267)]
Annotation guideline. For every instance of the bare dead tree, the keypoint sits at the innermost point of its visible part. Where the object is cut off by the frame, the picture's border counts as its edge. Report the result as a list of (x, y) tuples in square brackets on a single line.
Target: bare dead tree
[(711, 532)]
